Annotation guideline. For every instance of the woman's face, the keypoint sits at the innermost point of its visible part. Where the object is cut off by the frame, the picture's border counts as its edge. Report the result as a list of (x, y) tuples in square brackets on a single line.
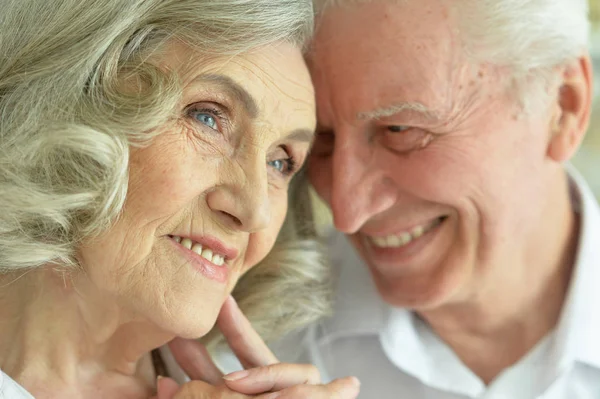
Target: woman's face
[(207, 198)]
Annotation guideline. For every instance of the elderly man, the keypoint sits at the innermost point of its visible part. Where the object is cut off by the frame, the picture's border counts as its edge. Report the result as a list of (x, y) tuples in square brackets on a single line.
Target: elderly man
[(469, 266)]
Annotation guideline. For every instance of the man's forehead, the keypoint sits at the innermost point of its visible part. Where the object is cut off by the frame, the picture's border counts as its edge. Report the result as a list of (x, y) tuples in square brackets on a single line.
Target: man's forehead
[(370, 60), (384, 31), (409, 18)]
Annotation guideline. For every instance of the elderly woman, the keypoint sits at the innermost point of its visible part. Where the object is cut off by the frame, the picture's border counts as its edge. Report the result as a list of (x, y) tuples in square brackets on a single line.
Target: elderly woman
[(146, 149)]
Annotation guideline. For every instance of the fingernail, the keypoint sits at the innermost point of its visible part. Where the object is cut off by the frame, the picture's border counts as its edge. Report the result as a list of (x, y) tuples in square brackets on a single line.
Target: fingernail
[(356, 382), (159, 377), (237, 375)]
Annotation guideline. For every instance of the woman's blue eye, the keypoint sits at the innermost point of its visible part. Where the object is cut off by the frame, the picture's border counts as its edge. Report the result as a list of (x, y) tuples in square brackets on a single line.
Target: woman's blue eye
[(206, 119), (279, 165)]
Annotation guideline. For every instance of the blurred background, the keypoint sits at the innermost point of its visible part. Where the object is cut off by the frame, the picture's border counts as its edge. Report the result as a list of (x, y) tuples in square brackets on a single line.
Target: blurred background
[(588, 158)]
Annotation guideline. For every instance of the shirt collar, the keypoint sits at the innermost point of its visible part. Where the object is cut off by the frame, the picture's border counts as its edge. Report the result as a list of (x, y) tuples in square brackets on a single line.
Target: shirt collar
[(578, 329)]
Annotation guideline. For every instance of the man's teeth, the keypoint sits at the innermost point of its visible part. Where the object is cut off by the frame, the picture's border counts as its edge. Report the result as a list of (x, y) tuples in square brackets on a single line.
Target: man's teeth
[(206, 253), (402, 239)]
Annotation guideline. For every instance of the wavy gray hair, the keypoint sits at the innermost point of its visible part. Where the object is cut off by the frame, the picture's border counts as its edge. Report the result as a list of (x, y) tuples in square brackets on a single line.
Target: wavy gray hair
[(531, 37), (69, 114)]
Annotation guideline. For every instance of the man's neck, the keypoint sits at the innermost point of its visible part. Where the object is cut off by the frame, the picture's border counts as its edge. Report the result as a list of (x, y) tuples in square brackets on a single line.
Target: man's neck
[(519, 302), (64, 332)]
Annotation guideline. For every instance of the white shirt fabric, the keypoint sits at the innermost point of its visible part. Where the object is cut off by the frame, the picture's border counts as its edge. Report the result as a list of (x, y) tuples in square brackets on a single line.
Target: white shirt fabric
[(9, 389), (396, 355)]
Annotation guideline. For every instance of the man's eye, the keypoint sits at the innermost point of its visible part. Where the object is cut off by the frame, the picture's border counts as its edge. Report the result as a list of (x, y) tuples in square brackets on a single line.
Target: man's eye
[(398, 129), (405, 139)]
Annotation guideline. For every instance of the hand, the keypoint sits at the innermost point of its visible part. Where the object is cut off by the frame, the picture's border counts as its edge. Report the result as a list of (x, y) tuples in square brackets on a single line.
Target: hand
[(345, 388), (262, 375)]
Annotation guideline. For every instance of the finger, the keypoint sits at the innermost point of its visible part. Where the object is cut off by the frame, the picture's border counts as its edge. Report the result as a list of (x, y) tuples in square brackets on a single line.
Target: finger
[(343, 388), (194, 359), (166, 388), (243, 340), (202, 390), (272, 378)]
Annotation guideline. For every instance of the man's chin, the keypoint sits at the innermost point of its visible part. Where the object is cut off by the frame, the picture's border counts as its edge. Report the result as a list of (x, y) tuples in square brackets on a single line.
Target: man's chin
[(419, 292)]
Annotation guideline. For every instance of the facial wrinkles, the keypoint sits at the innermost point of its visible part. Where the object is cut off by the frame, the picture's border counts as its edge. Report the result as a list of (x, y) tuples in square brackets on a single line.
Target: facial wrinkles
[(202, 221), (471, 86), (462, 98), (199, 220), (482, 96), (193, 213), (455, 86), (459, 89), (281, 86), (277, 94)]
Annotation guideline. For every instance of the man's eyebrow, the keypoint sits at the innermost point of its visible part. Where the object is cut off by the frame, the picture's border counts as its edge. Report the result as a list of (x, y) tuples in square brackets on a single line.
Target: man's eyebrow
[(398, 108), (233, 89)]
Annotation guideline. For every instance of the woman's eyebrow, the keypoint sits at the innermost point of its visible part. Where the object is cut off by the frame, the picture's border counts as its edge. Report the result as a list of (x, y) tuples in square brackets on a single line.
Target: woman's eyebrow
[(304, 135), (234, 89)]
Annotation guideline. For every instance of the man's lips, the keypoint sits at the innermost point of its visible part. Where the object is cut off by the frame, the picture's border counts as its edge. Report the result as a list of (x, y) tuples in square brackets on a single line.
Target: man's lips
[(403, 238)]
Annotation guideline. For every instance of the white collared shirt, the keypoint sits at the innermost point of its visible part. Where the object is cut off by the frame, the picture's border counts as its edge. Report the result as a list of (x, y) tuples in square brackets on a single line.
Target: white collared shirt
[(396, 355), (9, 389)]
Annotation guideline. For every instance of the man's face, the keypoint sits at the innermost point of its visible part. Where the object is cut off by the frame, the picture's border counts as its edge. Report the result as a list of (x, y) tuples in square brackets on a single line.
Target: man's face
[(424, 158)]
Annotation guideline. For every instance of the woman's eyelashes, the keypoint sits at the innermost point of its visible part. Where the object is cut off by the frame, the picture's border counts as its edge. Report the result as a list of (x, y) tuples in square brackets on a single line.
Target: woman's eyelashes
[(208, 115), (284, 166), (284, 162)]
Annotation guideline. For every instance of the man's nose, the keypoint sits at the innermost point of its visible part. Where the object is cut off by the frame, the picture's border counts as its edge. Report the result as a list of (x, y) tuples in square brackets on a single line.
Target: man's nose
[(242, 201), (360, 187)]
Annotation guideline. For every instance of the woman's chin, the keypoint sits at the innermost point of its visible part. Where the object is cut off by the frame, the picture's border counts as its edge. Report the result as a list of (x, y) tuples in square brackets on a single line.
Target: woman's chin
[(187, 322), (190, 330)]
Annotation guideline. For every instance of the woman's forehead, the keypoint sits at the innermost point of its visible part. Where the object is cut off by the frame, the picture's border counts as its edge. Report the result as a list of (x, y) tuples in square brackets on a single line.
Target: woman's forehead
[(271, 82)]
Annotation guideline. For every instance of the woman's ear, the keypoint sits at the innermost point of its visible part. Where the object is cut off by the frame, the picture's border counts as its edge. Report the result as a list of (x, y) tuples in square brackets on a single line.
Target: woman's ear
[(573, 110)]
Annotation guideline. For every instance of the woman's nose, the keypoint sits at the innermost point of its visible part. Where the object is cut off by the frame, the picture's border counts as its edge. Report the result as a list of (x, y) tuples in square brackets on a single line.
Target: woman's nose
[(242, 200)]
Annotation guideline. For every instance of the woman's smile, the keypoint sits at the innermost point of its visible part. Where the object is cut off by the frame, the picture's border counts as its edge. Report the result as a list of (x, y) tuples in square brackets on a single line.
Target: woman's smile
[(208, 255)]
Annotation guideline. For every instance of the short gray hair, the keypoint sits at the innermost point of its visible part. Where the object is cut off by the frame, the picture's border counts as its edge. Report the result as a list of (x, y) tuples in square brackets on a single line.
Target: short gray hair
[(67, 121), (531, 37)]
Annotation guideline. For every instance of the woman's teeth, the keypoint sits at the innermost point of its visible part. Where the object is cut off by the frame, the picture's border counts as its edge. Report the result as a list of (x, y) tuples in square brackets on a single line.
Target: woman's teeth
[(206, 253), (403, 239)]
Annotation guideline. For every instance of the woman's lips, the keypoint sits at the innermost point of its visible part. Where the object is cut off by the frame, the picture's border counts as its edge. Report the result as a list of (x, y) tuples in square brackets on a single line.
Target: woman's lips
[(206, 260), (208, 253)]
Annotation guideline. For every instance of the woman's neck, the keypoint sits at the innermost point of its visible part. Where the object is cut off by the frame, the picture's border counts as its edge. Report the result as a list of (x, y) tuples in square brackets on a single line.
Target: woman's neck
[(59, 337)]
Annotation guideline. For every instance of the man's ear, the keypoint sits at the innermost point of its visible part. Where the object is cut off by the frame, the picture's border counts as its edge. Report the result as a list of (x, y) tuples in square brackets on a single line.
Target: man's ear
[(573, 109)]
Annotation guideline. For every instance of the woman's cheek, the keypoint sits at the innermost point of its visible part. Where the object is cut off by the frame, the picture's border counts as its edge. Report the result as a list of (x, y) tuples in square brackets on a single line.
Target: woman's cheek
[(262, 242), (259, 246)]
